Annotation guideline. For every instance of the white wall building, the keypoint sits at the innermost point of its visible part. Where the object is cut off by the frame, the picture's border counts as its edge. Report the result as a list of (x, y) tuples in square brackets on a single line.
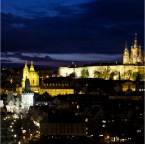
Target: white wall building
[(27, 97)]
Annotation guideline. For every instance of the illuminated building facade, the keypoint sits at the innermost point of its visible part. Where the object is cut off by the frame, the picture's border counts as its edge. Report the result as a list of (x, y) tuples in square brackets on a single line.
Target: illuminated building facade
[(27, 97), (135, 56), (56, 89), (133, 64), (53, 89), (32, 75)]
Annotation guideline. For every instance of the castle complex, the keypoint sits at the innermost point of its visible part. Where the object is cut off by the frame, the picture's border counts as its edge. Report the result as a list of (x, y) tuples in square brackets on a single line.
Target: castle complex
[(133, 64), (130, 69)]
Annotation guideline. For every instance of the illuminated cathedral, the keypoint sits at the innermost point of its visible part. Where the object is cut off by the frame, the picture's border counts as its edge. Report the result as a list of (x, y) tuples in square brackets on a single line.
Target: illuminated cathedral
[(135, 55), (30, 74)]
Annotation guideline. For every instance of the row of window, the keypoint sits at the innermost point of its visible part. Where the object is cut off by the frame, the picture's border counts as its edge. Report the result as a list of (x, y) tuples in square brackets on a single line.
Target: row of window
[(57, 92), (55, 84), (67, 125), (67, 131)]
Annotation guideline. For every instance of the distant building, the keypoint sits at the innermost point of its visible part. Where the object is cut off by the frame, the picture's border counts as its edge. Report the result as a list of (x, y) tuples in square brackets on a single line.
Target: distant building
[(56, 89), (27, 97), (63, 125), (133, 63), (135, 55), (53, 89)]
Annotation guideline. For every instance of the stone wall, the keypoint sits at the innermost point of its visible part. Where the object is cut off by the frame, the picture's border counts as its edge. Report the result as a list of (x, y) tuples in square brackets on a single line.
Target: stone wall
[(126, 71)]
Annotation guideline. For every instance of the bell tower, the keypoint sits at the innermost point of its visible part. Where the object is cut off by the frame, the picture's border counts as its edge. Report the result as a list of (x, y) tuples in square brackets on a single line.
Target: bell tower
[(136, 55), (27, 97), (126, 55), (25, 75)]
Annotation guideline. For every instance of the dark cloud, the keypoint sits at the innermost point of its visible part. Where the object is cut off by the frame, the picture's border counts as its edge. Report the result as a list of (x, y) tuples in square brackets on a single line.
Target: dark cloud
[(100, 27)]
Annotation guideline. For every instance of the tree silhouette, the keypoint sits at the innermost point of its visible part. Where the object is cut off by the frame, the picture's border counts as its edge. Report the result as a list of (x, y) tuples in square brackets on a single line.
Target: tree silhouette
[(72, 75), (85, 73), (97, 74)]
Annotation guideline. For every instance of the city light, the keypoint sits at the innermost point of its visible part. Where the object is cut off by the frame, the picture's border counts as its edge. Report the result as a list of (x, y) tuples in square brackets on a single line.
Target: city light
[(103, 121), (99, 119), (138, 131), (86, 120), (101, 135)]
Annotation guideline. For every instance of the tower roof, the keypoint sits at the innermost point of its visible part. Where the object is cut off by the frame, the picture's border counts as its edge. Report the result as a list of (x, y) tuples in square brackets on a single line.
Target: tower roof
[(32, 66), (25, 63), (126, 47), (135, 41), (25, 67)]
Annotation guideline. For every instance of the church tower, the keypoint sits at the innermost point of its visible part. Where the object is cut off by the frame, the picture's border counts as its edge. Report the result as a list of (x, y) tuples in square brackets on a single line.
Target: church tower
[(136, 55), (27, 97), (140, 56), (31, 74), (25, 74), (126, 55), (32, 66)]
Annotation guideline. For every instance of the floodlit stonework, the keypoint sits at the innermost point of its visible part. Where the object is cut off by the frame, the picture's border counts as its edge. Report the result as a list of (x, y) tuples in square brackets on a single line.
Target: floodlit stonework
[(31, 74), (126, 72), (133, 64), (135, 56)]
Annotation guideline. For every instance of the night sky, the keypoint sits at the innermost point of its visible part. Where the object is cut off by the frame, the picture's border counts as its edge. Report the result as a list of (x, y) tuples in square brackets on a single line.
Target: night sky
[(57, 32)]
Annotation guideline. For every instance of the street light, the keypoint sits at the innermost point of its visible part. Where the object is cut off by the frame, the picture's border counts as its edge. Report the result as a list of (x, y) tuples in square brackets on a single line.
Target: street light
[(15, 135)]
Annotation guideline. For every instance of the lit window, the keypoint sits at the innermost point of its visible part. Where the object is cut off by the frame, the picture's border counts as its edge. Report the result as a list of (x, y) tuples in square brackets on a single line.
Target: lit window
[(138, 131), (86, 120), (103, 121), (103, 125)]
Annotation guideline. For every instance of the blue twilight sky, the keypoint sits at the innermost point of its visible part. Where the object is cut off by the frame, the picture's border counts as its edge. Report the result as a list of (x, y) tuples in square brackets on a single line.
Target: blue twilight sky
[(56, 32)]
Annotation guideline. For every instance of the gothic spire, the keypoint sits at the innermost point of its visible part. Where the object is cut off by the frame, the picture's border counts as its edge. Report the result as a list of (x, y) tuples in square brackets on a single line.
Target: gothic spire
[(135, 41), (25, 63), (126, 47)]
